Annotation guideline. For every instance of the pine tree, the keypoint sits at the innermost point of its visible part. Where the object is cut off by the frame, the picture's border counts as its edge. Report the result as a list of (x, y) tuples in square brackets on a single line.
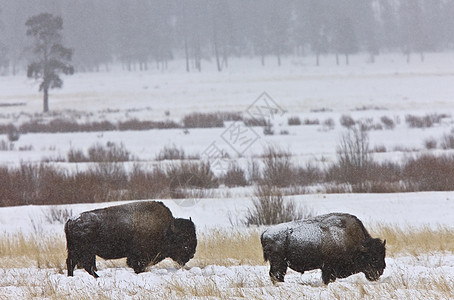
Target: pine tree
[(51, 57)]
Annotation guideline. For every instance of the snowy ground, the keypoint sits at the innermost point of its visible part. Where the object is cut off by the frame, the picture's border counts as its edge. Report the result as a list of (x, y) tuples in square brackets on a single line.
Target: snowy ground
[(406, 276), (388, 88)]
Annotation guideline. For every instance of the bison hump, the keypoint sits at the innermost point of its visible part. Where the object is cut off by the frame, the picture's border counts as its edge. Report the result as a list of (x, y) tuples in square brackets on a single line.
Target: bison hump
[(151, 221)]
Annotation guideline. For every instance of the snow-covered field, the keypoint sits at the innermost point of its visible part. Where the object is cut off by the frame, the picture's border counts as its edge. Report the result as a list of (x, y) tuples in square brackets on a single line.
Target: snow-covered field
[(362, 90)]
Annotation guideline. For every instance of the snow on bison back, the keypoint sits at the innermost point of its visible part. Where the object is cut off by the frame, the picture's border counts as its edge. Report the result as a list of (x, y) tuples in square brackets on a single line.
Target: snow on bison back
[(336, 243), (144, 232)]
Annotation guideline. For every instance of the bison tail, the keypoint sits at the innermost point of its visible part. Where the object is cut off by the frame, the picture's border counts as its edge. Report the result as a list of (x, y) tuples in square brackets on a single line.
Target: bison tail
[(68, 234), (266, 255)]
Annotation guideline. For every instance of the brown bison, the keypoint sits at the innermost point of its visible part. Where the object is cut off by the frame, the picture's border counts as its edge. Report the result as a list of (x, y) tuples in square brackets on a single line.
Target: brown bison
[(336, 243), (144, 232)]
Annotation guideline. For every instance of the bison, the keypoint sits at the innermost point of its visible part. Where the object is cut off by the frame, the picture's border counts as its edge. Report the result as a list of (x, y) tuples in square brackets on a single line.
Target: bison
[(336, 243), (144, 232)]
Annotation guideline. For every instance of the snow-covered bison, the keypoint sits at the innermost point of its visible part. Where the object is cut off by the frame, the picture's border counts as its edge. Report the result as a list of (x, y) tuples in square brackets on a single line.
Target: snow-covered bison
[(144, 232), (336, 243)]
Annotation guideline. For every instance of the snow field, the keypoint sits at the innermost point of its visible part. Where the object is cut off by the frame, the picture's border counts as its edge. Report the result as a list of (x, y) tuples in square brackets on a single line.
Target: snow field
[(420, 270)]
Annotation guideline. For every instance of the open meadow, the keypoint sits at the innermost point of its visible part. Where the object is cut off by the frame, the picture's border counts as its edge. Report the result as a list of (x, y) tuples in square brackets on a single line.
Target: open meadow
[(211, 146)]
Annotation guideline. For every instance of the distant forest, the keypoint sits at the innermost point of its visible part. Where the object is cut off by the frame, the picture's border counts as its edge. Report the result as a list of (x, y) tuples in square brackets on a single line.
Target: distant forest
[(144, 34)]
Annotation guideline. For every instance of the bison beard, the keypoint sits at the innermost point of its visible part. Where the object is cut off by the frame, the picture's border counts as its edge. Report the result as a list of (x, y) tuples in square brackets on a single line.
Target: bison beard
[(144, 232), (336, 243)]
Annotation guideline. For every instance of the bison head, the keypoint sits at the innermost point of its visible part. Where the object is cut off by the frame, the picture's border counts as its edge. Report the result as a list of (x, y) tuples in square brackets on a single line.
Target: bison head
[(182, 241), (373, 257)]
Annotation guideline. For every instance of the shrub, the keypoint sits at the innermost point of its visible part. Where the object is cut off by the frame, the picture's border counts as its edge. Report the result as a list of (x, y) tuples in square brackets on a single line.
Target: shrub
[(353, 158), (147, 184), (294, 121), (268, 208), (308, 175), (328, 124), (284, 132), (191, 174), (388, 122), (347, 121), (311, 122), (255, 122), (253, 170), (235, 176), (6, 146), (59, 125), (12, 133), (42, 184), (423, 122), (368, 124), (268, 129), (379, 149), (230, 116), (202, 120), (278, 169), (368, 107), (76, 156), (430, 143), (57, 214), (323, 109), (171, 153), (430, 173), (111, 153), (447, 141), (135, 124)]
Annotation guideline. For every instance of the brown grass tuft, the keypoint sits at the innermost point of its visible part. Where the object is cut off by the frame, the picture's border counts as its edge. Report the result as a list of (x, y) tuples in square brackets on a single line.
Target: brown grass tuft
[(415, 241), (229, 248)]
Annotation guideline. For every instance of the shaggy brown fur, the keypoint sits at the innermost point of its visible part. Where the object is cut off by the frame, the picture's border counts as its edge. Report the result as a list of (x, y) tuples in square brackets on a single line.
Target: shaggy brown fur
[(145, 232), (336, 243)]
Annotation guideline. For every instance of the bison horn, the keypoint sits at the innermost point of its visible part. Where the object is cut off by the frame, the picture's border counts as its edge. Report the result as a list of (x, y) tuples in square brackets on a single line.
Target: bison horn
[(190, 219), (384, 242)]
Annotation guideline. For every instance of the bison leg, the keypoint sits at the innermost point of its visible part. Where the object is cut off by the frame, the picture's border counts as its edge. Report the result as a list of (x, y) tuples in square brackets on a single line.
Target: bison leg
[(328, 275), (278, 268), (139, 265), (90, 266), (70, 265)]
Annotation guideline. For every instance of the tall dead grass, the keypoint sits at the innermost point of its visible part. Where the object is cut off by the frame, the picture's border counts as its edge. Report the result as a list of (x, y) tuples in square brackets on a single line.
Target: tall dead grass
[(415, 241), (227, 247), (19, 250)]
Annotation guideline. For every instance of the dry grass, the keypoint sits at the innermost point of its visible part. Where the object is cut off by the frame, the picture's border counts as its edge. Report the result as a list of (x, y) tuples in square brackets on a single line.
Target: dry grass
[(229, 248), (415, 241), (235, 250), (397, 287), (19, 250)]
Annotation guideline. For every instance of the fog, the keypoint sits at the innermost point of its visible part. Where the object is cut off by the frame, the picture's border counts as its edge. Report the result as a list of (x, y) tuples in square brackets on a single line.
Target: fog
[(144, 34)]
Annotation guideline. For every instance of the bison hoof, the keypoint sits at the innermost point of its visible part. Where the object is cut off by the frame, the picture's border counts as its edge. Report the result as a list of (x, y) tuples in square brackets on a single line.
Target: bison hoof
[(372, 276), (328, 278), (140, 268), (276, 278)]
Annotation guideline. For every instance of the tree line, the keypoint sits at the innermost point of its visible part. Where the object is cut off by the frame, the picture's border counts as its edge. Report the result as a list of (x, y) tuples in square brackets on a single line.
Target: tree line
[(141, 34)]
